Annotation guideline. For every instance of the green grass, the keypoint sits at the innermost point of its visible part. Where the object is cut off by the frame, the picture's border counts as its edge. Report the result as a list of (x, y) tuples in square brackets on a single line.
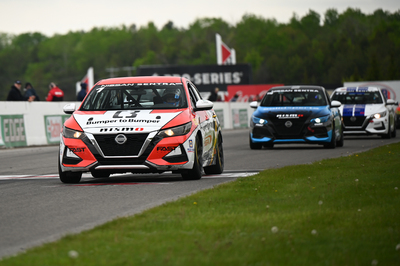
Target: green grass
[(343, 211)]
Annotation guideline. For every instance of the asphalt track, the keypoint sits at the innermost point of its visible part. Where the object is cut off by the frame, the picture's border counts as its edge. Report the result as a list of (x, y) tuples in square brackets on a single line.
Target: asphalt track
[(37, 208)]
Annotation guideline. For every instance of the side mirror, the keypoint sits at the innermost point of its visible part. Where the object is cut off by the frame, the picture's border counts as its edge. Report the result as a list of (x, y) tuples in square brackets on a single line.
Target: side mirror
[(254, 104), (391, 102), (69, 108), (335, 104), (203, 105)]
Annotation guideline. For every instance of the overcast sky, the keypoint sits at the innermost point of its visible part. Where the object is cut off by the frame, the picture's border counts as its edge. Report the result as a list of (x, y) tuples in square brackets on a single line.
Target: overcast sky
[(61, 16)]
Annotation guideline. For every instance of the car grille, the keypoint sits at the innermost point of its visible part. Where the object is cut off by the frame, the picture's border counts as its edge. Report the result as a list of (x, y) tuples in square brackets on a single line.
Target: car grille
[(283, 131), (131, 147), (353, 121)]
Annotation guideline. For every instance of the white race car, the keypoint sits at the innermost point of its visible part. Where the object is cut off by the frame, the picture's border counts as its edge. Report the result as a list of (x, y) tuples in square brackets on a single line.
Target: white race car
[(365, 110), (141, 125)]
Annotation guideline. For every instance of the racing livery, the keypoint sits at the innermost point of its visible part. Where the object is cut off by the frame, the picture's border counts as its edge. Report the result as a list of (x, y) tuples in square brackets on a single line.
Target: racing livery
[(296, 114), (141, 125), (365, 110)]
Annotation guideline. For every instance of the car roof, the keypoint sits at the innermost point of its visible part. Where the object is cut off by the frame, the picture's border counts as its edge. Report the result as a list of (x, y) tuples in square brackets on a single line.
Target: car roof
[(364, 88), (141, 79), (297, 87)]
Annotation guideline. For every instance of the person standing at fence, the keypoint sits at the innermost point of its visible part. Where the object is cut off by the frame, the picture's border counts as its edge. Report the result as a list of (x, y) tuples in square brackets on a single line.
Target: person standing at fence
[(55, 93), (16, 95), (30, 91), (82, 93)]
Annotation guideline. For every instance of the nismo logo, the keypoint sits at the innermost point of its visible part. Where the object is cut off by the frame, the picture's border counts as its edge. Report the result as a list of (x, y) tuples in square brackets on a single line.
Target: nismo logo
[(122, 129), (289, 116)]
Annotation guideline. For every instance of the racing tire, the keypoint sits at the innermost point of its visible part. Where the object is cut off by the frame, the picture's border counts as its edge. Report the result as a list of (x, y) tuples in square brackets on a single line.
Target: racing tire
[(332, 143), (196, 172), (339, 143), (99, 174), (218, 168), (69, 177), (254, 146), (394, 132), (388, 135)]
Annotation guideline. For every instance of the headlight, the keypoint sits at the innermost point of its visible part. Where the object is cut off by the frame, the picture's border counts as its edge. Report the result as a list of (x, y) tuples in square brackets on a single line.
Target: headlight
[(73, 134), (176, 131), (259, 121), (321, 119), (379, 115)]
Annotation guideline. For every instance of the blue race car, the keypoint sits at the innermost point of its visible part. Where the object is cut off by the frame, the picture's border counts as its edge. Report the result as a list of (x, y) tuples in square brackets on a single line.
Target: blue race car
[(296, 114)]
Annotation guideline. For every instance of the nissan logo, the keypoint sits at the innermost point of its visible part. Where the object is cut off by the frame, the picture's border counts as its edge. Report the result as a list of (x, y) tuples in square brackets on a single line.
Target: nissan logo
[(288, 123), (120, 139), (353, 119)]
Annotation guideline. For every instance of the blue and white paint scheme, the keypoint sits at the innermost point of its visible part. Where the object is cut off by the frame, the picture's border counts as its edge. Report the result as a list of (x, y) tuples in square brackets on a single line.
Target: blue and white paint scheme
[(365, 110), (296, 114)]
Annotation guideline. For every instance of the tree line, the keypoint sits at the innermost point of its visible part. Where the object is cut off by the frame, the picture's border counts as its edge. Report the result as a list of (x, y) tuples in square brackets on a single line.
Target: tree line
[(351, 46)]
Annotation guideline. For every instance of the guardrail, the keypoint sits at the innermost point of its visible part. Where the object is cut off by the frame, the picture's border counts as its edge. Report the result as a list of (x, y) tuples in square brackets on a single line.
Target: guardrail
[(40, 123)]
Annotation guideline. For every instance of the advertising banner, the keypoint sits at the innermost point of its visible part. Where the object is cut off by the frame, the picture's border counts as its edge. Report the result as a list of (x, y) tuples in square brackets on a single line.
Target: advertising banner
[(220, 115), (1, 134), (240, 118), (53, 127), (12, 131), (205, 77), (248, 93)]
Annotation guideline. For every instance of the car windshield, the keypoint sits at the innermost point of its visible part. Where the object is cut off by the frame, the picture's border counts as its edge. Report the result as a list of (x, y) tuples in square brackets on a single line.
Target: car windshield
[(135, 96), (294, 97), (357, 97)]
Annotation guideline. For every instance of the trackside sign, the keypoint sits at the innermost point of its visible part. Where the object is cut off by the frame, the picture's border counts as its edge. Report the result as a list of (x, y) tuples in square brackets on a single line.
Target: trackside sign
[(12, 131), (205, 77), (53, 126)]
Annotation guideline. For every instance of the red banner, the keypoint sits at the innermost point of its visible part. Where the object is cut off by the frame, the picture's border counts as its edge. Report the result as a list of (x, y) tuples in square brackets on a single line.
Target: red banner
[(248, 93)]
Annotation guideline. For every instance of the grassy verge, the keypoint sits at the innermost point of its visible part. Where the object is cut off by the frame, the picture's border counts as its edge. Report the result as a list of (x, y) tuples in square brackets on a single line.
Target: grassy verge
[(343, 211)]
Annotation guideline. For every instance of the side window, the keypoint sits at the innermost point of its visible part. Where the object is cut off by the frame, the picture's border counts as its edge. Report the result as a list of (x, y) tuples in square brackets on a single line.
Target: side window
[(192, 94), (196, 92)]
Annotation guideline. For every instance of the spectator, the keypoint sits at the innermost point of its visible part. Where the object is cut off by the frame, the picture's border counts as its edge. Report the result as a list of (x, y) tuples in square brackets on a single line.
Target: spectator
[(235, 98), (214, 95), (16, 95), (55, 93), (30, 91), (82, 93)]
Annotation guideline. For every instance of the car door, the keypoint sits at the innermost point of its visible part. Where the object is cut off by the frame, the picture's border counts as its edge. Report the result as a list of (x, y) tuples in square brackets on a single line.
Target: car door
[(205, 120)]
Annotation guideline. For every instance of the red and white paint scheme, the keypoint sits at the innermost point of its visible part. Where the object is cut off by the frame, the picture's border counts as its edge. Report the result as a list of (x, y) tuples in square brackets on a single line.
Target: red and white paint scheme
[(141, 125)]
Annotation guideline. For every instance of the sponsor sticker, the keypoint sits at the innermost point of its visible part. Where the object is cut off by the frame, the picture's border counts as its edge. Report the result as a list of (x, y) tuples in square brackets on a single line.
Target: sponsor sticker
[(166, 148), (190, 149), (207, 140), (77, 150)]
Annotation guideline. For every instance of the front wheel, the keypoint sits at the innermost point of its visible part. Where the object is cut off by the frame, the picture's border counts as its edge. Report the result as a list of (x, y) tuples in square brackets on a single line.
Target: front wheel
[(332, 143), (196, 172), (254, 145), (388, 135), (218, 168), (394, 132), (339, 143), (69, 177)]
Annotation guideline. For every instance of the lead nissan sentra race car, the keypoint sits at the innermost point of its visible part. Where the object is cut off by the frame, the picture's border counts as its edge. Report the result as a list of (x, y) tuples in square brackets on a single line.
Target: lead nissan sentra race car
[(141, 125), (296, 114), (365, 110)]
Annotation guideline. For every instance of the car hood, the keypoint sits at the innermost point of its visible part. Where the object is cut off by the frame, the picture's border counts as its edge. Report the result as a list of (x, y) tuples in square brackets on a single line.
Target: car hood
[(361, 109), (306, 111), (124, 120)]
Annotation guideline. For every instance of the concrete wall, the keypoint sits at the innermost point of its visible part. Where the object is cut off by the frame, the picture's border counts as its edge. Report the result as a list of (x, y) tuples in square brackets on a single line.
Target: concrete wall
[(40, 123)]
